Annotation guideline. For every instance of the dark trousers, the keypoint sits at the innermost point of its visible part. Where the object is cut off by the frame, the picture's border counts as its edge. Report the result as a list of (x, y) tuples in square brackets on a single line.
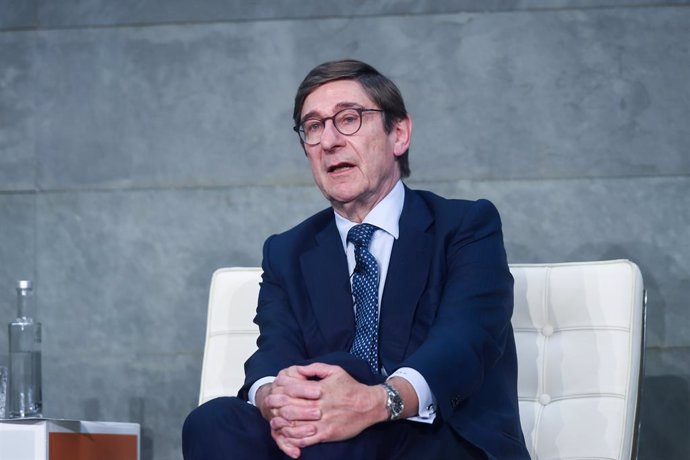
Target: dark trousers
[(229, 428)]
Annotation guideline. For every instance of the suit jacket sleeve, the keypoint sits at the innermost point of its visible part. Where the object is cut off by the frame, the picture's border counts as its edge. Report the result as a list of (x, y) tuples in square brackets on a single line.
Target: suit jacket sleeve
[(280, 343)]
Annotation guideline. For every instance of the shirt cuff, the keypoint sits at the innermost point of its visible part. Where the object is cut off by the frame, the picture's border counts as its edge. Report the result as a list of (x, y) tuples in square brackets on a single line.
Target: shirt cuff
[(427, 401), (255, 387)]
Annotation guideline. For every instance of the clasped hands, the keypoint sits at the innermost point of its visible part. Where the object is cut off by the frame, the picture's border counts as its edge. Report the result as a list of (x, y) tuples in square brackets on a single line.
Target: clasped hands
[(307, 405)]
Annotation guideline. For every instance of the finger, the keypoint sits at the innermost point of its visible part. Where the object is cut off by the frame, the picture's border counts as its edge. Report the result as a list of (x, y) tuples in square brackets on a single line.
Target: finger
[(280, 401), (292, 430), (286, 446), (274, 402), (306, 441), (287, 380), (298, 389), (288, 376), (295, 413), (318, 370), (304, 390), (291, 372), (278, 423), (298, 432)]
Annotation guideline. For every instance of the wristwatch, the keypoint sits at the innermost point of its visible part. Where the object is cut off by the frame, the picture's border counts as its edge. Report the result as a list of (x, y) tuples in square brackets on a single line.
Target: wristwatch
[(394, 403)]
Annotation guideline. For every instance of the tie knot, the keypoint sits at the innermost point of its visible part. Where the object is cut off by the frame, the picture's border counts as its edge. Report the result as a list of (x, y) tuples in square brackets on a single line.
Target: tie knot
[(360, 235)]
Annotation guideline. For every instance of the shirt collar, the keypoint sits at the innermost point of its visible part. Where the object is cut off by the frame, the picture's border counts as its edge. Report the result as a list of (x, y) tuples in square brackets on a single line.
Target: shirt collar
[(385, 215)]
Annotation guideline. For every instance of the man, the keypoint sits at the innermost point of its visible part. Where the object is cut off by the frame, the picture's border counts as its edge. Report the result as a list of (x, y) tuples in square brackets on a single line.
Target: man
[(385, 319)]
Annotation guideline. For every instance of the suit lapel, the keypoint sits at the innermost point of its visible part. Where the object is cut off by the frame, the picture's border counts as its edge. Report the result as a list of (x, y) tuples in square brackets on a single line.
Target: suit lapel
[(406, 279), (324, 267)]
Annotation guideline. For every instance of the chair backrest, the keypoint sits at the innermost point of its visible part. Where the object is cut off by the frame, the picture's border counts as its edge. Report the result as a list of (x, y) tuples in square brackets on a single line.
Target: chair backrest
[(230, 331), (579, 330)]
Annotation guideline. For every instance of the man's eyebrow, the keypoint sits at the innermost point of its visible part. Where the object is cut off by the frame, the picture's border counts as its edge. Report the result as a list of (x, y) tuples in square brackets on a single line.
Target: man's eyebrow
[(339, 106)]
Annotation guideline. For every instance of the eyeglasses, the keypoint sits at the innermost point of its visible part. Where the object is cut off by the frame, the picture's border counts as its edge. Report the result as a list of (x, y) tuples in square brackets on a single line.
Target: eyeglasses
[(347, 122)]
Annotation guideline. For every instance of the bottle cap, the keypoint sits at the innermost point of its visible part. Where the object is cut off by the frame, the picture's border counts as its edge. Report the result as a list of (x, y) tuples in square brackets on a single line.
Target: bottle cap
[(25, 284)]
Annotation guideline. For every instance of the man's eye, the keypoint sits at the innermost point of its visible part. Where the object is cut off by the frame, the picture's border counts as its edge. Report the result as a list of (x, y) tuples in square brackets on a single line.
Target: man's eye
[(348, 119), (312, 126)]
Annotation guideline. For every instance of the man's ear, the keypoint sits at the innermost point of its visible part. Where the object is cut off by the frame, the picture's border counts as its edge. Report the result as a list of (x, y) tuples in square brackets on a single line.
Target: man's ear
[(402, 132)]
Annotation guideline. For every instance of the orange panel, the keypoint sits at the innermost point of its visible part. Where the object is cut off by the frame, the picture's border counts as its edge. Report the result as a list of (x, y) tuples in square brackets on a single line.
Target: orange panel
[(92, 446)]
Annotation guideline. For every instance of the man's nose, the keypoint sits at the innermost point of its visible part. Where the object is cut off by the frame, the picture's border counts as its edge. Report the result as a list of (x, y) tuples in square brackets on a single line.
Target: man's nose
[(330, 137)]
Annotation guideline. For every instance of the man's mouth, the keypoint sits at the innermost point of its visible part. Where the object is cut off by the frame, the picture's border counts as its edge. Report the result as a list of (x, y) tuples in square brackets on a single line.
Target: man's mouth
[(339, 167)]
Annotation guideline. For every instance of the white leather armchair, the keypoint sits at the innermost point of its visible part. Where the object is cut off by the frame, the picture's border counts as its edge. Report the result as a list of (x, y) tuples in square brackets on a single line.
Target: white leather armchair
[(579, 329)]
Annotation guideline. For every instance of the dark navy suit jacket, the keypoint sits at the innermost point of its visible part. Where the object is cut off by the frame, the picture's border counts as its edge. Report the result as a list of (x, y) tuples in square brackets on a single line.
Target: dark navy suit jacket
[(445, 312)]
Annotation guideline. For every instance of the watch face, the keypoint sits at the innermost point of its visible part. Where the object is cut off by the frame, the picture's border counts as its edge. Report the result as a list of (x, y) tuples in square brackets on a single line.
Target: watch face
[(394, 403), (396, 407)]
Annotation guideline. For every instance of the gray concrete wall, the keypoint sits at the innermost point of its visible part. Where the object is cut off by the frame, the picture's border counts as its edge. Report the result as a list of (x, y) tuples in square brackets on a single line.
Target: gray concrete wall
[(145, 144)]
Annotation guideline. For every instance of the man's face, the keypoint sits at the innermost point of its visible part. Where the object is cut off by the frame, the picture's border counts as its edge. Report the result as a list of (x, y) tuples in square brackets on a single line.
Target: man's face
[(353, 172)]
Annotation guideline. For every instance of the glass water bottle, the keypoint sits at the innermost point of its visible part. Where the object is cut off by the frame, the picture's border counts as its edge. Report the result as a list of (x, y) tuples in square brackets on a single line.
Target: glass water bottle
[(25, 357)]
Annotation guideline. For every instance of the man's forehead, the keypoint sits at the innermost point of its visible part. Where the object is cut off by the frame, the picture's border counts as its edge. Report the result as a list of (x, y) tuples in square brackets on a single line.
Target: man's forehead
[(335, 95)]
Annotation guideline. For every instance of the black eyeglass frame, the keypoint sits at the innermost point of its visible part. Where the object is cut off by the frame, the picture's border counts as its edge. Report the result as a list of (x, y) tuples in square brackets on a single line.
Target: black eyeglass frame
[(360, 110)]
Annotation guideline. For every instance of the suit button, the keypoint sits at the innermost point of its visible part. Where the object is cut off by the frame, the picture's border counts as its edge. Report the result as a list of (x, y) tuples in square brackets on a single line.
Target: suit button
[(544, 399), (547, 331), (454, 402)]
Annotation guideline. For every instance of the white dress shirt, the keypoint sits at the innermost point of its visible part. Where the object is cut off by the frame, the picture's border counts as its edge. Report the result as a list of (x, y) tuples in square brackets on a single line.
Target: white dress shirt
[(385, 216)]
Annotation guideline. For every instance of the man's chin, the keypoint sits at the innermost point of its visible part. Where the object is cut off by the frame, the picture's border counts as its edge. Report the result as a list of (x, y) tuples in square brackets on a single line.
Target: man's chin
[(341, 193)]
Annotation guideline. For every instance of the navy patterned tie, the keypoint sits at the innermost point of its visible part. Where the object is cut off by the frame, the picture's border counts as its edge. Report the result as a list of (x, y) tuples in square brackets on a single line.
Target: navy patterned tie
[(365, 289)]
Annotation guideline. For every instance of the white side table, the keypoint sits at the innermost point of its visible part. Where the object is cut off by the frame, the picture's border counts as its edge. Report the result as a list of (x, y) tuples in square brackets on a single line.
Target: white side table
[(55, 439)]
